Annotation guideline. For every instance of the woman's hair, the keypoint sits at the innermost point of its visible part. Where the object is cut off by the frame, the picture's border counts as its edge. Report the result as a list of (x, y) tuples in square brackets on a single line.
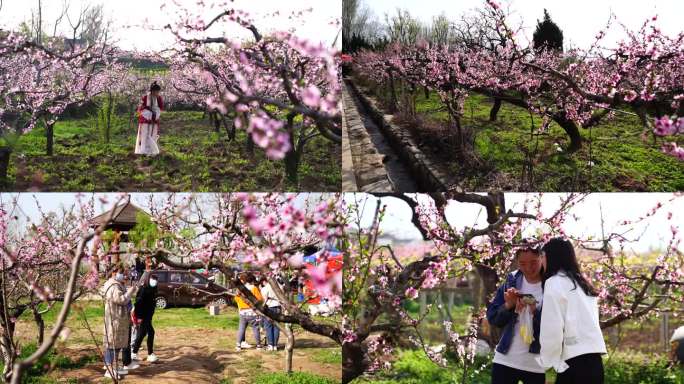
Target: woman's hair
[(560, 255), (247, 277), (154, 87), (115, 268)]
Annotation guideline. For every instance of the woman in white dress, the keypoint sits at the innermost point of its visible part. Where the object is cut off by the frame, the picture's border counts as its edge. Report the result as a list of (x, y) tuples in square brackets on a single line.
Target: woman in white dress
[(148, 122)]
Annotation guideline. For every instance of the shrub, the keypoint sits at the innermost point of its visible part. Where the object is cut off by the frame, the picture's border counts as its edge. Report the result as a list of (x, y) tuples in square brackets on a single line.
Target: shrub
[(638, 368)]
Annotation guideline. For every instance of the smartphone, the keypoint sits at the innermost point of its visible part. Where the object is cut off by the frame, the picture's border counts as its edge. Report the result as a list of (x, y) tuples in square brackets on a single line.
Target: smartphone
[(527, 298)]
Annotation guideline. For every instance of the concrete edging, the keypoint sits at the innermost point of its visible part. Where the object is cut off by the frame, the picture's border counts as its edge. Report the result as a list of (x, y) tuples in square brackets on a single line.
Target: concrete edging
[(428, 175), (368, 169)]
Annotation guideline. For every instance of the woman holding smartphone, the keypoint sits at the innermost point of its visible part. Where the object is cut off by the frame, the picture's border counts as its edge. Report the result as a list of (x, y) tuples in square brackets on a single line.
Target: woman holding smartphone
[(571, 339), (515, 357)]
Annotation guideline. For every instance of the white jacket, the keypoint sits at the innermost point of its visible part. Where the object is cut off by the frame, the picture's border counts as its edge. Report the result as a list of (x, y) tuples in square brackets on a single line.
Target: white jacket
[(269, 296), (569, 323)]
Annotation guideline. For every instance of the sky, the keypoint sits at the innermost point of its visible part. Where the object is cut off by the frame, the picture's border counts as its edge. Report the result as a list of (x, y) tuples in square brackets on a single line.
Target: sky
[(580, 20), (128, 15), (616, 207), (27, 202), (653, 233)]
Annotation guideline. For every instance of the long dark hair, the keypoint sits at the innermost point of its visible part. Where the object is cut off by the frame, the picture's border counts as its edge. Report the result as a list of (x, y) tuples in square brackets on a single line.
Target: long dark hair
[(560, 255), (154, 87)]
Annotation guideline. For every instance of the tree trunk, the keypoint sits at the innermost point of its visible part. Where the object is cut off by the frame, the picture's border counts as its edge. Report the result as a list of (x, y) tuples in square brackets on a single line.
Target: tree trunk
[(50, 136), (289, 347), (7, 348), (354, 361), (249, 147), (5, 153), (7, 358), (494, 113), (108, 116), (393, 95), (217, 122), (573, 132), (293, 157), (427, 92), (40, 323), (488, 285), (292, 165), (461, 140), (131, 114), (229, 130)]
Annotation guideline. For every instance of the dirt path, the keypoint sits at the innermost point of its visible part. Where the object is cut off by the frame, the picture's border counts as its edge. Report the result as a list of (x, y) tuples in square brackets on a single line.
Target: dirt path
[(201, 355)]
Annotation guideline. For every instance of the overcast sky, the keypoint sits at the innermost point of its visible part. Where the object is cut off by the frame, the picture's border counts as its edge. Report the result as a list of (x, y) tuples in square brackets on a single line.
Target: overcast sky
[(128, 15), (580, 20), (654, 233)]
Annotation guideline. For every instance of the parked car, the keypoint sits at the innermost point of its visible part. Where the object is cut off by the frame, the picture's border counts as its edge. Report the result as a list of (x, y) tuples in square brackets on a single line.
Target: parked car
[(187, 288)]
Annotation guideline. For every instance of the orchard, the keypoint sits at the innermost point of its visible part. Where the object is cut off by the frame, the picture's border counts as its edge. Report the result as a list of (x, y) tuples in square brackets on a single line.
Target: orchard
[(560, 106), (386, 336), (270, 97), (55, 261)]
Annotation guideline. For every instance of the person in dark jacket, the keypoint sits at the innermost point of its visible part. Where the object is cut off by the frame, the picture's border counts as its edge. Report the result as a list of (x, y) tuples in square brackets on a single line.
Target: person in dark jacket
[(144, 311), (515, 357), (139, 266)]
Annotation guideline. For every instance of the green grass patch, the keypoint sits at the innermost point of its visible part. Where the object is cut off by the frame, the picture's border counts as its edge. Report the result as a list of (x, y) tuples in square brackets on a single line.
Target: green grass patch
[(293, 378), (36, 374), (413, 367), (196, 317), (614, 156), (194, 157), (326, 355)]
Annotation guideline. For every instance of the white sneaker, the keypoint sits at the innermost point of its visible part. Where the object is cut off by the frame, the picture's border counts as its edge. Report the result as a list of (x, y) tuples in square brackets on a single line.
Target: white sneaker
[(246, 345), (122, 371), (132, 365), (274, 347), (238, 348), (152, 358), (259, 348), (110, 376), (134, 356)]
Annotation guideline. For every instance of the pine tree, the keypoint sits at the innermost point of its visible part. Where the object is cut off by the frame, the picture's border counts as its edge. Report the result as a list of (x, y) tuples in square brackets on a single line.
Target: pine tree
[(548, 35)]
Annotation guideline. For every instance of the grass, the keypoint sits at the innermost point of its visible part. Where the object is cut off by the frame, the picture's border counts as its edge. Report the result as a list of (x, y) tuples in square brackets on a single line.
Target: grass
[(432, 328), (197, 317), (293, 378), (622, 161), (194, 157), (413, 367), (326, 355), (52, 360)]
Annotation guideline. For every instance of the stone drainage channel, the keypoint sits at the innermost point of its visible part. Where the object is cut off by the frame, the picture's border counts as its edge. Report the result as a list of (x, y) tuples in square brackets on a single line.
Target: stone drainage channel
[(376, 166)]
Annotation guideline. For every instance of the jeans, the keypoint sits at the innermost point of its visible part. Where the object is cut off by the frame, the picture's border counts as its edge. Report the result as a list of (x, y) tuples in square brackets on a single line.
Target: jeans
[(252, 320), (502, 374), (145, 329), (110, 355), (585, 369), (135, 329), (272, 330)]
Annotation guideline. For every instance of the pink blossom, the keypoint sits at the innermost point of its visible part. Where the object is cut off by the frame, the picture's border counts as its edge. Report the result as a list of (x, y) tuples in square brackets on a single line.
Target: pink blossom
[(311, 96)]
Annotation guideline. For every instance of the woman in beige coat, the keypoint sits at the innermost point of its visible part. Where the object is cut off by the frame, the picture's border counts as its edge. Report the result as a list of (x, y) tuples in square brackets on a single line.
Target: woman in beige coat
[(116, 318)]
